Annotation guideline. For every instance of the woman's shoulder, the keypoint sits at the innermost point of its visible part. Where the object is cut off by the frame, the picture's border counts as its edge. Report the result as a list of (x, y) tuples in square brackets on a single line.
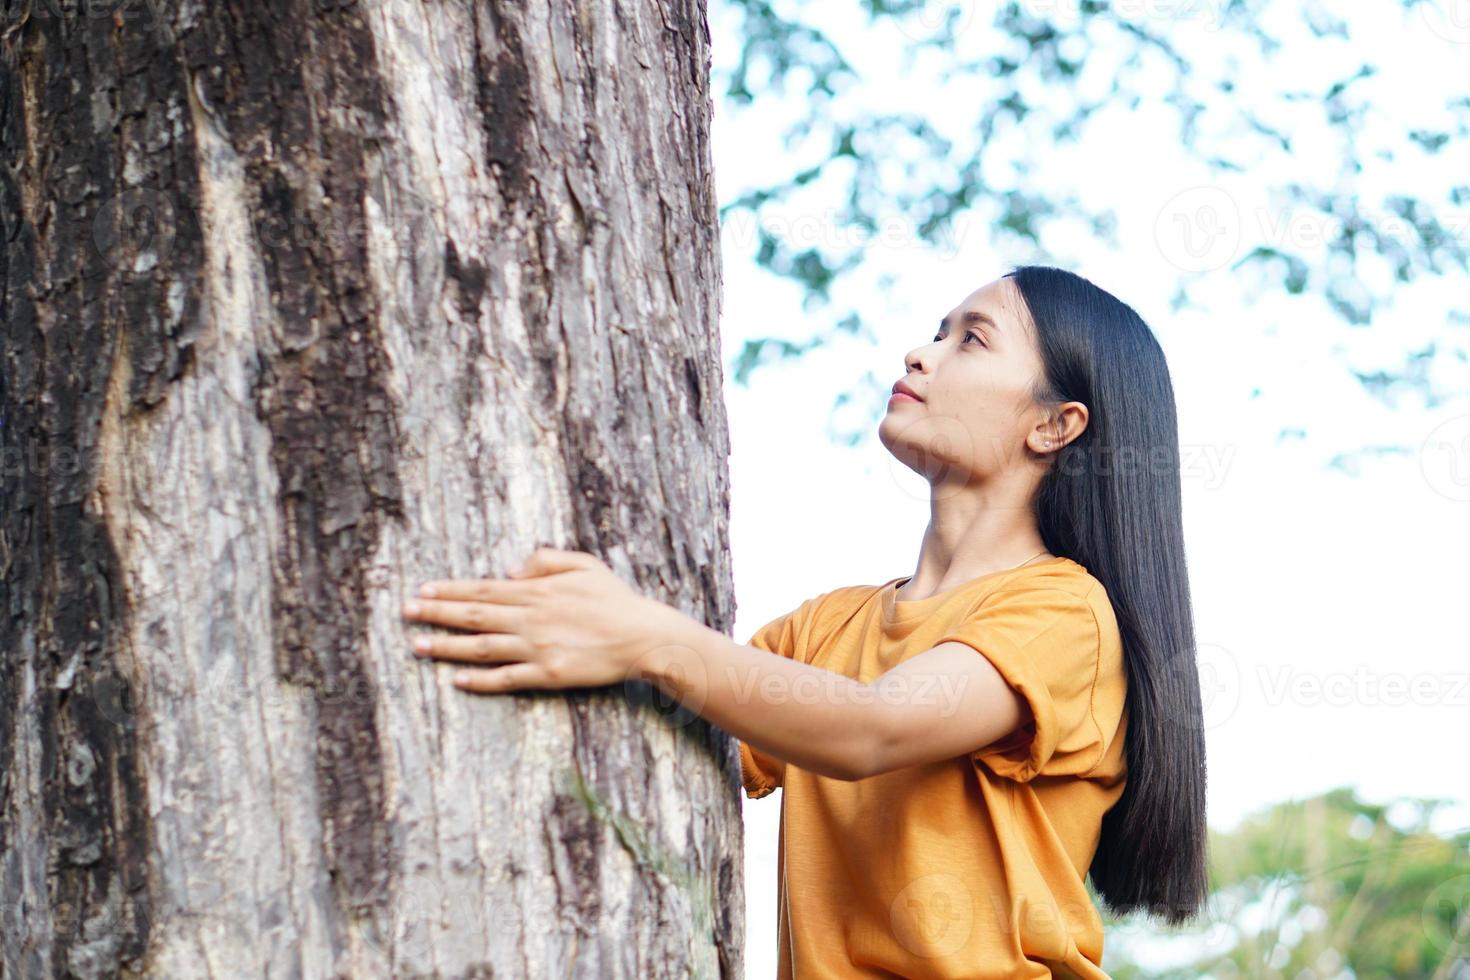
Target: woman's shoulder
[(1063, 573), (845, 600), (828, 612), (838, 605), (1074, 577), (1067, 575)]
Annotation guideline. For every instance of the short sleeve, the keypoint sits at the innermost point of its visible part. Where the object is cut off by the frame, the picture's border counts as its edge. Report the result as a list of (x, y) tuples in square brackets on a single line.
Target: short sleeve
[(1046, 644), (759, 772)]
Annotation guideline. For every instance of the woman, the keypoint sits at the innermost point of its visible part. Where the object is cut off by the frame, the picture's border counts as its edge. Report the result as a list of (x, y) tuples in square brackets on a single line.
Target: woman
[(942, 810)]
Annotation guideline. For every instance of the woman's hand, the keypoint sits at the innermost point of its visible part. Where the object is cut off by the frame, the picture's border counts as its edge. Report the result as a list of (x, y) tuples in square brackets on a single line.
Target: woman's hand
[(563, 619)]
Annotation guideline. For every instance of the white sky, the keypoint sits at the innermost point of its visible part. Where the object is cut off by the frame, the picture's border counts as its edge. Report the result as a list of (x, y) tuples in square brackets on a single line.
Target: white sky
[(1301, 575)]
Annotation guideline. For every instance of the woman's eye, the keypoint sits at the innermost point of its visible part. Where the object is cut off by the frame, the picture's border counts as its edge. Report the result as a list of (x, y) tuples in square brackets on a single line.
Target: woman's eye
[(968, 335)]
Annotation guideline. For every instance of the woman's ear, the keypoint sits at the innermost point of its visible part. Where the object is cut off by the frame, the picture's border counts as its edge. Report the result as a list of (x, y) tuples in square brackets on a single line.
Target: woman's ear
[(1061, 427), (1044, 439), (1073, 419)]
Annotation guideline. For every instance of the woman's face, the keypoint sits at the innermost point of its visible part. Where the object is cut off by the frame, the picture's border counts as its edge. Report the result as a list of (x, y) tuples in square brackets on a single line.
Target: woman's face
[(977, 418)]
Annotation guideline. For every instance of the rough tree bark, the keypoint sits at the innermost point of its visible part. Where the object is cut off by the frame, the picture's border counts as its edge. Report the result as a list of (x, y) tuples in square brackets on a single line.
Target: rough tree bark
[(306, 302)]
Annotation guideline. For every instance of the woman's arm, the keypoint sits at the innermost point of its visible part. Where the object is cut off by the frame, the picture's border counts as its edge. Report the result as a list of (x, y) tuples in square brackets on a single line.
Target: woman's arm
[(939, 704), (812, 718), (565, 620)]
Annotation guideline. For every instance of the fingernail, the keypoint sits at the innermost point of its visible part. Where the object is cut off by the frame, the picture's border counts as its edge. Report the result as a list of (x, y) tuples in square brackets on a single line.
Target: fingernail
[(411, 608), (428, 590), (421, 644)]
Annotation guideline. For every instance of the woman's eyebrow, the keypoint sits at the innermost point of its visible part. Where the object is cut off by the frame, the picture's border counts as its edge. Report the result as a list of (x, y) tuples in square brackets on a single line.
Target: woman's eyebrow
[(971, 316)]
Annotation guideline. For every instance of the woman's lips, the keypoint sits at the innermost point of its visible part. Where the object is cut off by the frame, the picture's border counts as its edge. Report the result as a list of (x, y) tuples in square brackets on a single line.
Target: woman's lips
[(899, 396)]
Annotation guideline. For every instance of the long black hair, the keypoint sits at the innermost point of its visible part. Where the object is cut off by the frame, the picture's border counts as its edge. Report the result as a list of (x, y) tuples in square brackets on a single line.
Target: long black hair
[(1111, 502)]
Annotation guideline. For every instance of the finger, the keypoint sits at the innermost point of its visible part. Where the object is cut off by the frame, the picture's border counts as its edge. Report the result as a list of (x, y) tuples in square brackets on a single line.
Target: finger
[(496, 680), (481, 617), (507, 592), (480, 648), (548, 561)]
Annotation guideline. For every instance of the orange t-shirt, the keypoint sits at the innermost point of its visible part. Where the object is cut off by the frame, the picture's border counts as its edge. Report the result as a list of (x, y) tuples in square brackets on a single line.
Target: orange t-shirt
[(974, 866)]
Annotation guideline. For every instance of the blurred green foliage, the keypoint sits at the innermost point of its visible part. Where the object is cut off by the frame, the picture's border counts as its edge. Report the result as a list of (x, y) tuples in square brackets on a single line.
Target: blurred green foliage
[(1325, 887)]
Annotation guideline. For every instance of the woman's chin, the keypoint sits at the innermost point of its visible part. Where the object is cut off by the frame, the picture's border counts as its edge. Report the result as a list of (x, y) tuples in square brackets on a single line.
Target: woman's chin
[(911, 456)]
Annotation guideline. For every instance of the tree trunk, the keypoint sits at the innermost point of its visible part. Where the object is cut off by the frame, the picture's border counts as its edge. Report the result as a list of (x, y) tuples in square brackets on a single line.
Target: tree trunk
[(307, 302)]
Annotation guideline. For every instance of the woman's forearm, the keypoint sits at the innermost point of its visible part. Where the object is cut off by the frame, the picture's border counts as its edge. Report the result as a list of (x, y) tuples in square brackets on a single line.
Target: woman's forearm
[(812, 718)]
